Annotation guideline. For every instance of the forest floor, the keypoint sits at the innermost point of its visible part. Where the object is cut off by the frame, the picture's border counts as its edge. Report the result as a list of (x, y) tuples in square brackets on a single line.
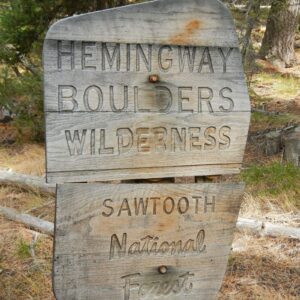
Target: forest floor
[(258, 268)]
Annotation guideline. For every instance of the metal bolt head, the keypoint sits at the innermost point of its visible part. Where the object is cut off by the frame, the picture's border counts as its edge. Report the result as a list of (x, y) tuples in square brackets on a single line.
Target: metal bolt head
[(153, 78), (162, 269)]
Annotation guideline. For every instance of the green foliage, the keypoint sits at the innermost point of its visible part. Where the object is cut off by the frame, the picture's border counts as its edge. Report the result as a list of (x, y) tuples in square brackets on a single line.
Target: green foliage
[(23, 249), (22, 96), (22, 27), (23, 24), (274, 179)]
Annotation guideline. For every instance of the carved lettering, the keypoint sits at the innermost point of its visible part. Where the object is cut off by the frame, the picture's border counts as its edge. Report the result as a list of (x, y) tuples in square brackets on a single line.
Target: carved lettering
[(114, 58), (142, 288), (189, 54), (110, 208), (169, 205), (183, 205), (143, 139), (147, 140), (103, 149), (225, 58), (155, 99), (178, 139), (152, 245), (211, 141), (66, 98), (93, 94), (102, 56), (164, 97), (117, 248), (206, 61), (86, 54), (166, 63), (210, 205), (146, 59), (112, 100), (160, 139), (195, 142), (76, 142), (229, 100), (142, 206), (65, 53), (205, 95), (125, 140), (124, 207), (225, 140), (182, 99)]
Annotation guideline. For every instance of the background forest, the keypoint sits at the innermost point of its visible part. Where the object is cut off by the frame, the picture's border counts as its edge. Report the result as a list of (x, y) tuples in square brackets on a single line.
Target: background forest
[(261, 266)]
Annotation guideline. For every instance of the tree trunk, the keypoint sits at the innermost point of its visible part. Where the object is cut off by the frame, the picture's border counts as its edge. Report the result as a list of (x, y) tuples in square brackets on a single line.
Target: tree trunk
[(100, 4), (279, 38), (104, 4), (252, 18)]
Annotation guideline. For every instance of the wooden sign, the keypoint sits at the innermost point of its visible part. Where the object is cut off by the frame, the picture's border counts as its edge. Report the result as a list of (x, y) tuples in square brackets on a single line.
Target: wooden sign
[(143, 241), (145, 91)]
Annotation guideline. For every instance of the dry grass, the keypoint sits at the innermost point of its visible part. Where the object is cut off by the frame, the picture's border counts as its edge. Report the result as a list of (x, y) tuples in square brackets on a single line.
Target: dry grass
[(24, 277), (264, 269), (25, 256), (39, 205), (275, 86), (273, 210), (27, 159)]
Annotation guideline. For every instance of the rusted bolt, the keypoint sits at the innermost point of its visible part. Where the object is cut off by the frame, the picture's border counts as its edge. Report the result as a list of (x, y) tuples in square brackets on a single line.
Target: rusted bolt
[(153, 78), (162, 269)]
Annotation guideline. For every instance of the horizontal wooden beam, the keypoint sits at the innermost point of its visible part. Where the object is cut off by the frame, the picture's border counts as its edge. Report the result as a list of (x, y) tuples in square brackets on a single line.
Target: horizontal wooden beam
[(28, 220), (8, 177)]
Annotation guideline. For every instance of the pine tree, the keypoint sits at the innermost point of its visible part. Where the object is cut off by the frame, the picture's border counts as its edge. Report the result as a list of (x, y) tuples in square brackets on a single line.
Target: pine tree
[(279, 38)]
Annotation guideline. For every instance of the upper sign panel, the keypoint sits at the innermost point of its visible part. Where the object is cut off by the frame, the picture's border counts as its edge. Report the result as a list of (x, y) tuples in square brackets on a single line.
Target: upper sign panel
[(145, 91)]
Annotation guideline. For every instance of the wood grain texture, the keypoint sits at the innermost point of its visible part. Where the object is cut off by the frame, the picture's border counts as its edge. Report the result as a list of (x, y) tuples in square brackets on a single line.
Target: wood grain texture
[(106, 121), (134, 141), (168, 172), (181, 75), (110, 240), (189, 22)]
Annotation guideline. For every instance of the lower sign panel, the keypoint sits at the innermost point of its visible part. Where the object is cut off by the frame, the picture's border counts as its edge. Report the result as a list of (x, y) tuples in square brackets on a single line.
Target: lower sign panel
[(143, 241)]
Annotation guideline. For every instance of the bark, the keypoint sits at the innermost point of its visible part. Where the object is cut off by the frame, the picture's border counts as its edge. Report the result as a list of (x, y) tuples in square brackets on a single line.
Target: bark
[(279, 39), (28, 220), (30, 181), (268, 229)]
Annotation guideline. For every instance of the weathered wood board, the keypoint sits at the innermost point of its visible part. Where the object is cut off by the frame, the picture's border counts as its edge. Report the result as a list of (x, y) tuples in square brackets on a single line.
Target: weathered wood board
[(143, 241), (107, 120)]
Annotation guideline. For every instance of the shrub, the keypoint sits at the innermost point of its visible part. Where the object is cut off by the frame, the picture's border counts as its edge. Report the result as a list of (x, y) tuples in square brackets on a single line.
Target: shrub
[(22, 96)]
